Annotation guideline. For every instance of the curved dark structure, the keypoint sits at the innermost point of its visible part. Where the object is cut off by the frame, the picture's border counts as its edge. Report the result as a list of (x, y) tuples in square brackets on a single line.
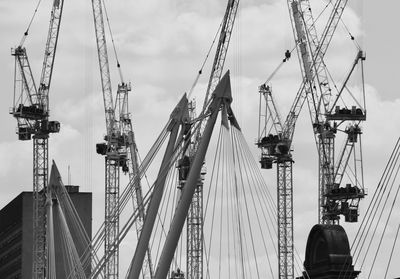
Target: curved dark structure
[(328, 254)]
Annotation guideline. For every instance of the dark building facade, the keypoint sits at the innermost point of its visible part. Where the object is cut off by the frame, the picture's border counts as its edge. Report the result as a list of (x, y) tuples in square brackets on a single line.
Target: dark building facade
[(16, 226)]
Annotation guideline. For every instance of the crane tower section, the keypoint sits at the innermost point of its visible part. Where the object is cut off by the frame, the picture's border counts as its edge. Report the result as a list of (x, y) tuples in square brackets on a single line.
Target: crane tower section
[(195, 220), (120, 153), (311, 50), (31, 109), (275, 149), (115, 157)]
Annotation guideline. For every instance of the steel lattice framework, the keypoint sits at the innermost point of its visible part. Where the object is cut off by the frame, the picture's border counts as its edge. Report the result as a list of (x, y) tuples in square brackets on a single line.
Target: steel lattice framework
[(285, 216), (110, 150), (195, 224), (40, 180), (31, 109), (318, 93), (120, 153), (275, 137), (194, 262), (112, 224), (129, 143)]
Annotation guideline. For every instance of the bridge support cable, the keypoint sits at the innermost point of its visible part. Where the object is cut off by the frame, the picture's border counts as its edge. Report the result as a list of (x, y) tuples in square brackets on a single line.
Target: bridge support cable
[(389, 215), (376, 212), (229, 208), (222, 95), (240, 198), (72, 265), (384, 191), (178, 150), (126, 195), (265, 199), (391, 252), (154, 203), (62, 227)]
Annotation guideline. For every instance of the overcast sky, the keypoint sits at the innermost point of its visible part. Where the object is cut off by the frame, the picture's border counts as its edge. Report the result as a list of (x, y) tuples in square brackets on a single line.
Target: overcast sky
[(161, 46)]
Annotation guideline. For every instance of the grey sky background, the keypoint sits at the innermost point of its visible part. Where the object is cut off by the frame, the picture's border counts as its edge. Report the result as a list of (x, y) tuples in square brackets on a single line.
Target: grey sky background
[(161, 46)]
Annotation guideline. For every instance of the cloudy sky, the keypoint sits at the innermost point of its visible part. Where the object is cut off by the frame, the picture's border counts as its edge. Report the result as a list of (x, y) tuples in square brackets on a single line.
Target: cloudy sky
[(161, 46)]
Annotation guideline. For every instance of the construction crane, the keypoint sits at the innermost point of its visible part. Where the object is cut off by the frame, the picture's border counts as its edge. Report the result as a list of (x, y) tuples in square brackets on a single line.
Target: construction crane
[(119, 149), (194, 259), (333, 200), (31, 109), (275, 148), (275, 137)]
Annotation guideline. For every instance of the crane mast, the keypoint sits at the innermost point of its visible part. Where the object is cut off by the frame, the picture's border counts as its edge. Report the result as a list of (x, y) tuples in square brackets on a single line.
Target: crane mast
[(194, 262), (31, 109), (319, 100), (222, 48), (275, 148), (133, 167), (120, 152), (113, 158), (275, 137)]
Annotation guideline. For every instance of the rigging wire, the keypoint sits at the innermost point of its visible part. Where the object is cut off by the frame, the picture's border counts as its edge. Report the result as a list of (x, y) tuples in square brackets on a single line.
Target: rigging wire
[(268, 199), (99, 238), (243, 150), (384, 230), (377, 194), (321, 13), (383, 207), (369, 218), (288, 54), (391, 252), (113, 43), (221, 223), (29, 25), (215, 171), (204, 62), (239, 203), (245, 199), (350, 34)]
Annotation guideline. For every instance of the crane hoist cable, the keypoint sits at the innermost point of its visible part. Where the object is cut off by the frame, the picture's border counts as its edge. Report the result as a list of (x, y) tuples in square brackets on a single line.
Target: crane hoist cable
[(323, 10), (30, 23), (348, 31), (288, 54), (205, 61), (113, 43)]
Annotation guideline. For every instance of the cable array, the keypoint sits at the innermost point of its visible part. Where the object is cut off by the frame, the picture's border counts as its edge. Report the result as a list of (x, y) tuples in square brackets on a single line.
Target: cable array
[(370, 235)]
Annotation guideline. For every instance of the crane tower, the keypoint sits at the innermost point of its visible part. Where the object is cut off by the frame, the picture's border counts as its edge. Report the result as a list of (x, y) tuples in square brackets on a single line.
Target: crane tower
[(328, 118), (120, 152), (31, 109), (195, 220), (275, 137)]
